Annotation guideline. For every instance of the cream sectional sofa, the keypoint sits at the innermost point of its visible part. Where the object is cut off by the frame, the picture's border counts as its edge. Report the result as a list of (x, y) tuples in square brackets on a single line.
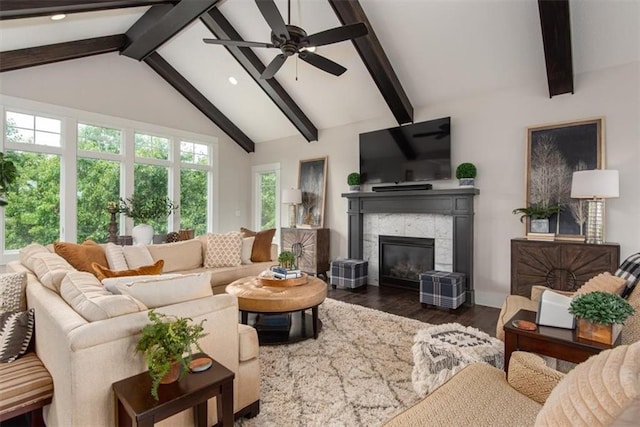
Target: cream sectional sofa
[(86, 336)]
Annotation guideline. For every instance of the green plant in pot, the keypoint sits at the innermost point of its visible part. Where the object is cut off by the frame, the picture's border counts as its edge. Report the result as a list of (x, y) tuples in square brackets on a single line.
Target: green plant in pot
[(600, 315), (8, 175), (538, 216), (353, 179), (466, 174), (143, 209), (164, 343), (287, 260)]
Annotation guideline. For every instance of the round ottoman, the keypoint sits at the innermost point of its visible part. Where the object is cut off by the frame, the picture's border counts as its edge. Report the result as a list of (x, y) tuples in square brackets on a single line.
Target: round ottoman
[(442, 350)]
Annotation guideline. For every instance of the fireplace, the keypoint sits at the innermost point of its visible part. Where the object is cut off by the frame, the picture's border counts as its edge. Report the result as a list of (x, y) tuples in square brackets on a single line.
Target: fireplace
[(402, 259)]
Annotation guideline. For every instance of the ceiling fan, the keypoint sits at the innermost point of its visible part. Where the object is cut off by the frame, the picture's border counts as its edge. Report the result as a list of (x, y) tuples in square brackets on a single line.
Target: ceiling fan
[(292, 40)]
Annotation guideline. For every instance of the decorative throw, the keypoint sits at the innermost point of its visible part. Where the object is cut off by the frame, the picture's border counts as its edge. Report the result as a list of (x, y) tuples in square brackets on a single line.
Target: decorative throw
[(442, 350), (16, 329), (261, 250), (604, 282), (223, 250), (103, 272), (12, 287), (630, 271)]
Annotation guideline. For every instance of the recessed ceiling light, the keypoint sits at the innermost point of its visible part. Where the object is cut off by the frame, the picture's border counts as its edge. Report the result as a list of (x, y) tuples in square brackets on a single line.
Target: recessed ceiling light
[(58, 17), (233, 80)]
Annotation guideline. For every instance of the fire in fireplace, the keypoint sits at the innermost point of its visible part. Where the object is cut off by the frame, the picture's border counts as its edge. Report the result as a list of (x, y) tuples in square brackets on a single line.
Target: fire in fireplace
[(402, 259)]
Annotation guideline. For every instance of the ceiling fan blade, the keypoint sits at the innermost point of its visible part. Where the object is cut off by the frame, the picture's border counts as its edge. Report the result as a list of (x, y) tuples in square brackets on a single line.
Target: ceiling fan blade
[(239, 43), (338, 34), (273, 66), (323, 63), (272, 15)]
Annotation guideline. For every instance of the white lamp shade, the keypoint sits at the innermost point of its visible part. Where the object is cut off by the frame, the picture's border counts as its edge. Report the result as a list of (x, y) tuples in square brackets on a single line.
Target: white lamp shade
[(596, 183), (292, 196)]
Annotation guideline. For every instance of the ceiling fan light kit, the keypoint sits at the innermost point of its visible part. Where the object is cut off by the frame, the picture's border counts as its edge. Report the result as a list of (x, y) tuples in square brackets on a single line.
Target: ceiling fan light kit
[(291, 40)]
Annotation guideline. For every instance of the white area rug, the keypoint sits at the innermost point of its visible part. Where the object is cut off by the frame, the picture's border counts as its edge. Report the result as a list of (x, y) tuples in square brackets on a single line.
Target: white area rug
[(357, 373)]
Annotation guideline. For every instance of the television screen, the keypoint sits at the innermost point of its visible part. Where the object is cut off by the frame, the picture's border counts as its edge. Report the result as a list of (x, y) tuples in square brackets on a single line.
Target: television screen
[(414, 152)]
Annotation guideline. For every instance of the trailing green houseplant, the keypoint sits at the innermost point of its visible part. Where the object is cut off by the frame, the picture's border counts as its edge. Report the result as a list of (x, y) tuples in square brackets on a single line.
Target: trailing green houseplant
[(537, 212), (603, 308), (8, 175), (142, 209), (165, 341), (287, 260)]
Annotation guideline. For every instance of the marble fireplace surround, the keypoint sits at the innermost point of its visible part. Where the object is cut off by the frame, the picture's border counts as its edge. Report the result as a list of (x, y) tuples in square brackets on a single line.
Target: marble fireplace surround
[(444, 215)]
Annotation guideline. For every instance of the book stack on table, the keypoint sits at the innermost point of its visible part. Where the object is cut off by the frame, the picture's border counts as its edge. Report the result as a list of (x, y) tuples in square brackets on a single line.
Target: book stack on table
[(283, 273)]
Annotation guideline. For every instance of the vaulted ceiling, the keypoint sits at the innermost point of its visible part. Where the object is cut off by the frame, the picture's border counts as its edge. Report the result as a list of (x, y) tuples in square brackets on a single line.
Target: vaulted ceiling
[(416, 53)]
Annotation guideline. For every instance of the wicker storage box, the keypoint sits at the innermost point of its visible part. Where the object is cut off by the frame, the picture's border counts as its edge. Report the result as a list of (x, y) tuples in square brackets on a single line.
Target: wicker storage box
[(348, 273), (442, 288)]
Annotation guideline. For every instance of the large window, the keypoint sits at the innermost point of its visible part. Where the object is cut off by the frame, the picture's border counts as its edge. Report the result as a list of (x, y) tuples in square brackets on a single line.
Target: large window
[(69, 169), (266, 196)]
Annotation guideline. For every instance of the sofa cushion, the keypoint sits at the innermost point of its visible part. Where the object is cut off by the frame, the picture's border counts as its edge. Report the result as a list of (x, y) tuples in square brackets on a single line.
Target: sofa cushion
[(103, 272), (16, 329), (81, 256), (12, 292), (50, 268), (158, 291), (223, 250), (28, 251), (631, 328), (86, 295), (261, 251), (596, 392), (178, 256), (604, 282), (511, 306), (247, 248), (115, 257), (137, 256), (249, 346)]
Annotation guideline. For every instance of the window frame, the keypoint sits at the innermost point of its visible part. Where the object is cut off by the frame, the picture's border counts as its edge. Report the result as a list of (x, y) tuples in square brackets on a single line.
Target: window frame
[(256, 200)]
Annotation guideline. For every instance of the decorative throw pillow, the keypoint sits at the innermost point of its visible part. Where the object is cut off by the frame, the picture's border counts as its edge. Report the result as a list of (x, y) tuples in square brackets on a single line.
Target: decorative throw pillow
[(223, 250), (50, 268), (115, 257), (12, 287), (28, 251), (247, 247), (137, 256), (596, 392), (261, 251), (630, 271), (604, 282), (16, 329), (103, 272), (81, 256), (178, 256), (159, 291)]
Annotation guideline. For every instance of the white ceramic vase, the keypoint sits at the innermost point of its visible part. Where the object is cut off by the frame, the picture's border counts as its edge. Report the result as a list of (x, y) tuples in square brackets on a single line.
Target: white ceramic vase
[(142, 234)]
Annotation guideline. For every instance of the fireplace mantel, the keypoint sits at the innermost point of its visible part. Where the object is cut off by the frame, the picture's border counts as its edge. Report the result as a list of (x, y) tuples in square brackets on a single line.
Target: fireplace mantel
[(457, 202)]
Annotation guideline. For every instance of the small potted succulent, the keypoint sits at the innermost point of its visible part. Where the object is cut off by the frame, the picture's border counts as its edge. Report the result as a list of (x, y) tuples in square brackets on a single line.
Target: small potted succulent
[(466, 174), (8, 175), (538, 216), (164, 343), (353, 179), (287, 260), (600, 315)]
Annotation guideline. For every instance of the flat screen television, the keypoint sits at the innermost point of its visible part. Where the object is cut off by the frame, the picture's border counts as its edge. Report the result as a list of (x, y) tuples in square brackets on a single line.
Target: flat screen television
[(414, 152)]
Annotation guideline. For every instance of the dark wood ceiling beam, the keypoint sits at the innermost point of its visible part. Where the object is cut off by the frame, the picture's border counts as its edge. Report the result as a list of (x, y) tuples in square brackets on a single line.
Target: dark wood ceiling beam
[(146, 35), (376, 60), (40, 55), (13, 9), (175, 79), (222, 29), (556, 37)]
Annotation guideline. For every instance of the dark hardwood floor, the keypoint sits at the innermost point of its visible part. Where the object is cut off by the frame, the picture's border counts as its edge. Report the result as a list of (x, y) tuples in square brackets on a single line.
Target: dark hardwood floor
[(407, 303)]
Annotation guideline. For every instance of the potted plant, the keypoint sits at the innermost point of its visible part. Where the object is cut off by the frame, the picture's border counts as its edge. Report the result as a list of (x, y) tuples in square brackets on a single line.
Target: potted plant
[(466, 174), (287, 260), (164, 342), (8, 175), (353, 179), (600, 315), (143, 209), (538, 215)]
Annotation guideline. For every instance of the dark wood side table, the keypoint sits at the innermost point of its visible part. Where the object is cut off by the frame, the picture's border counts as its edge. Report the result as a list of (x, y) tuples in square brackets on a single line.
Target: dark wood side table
[(554, 342), (310, 246), (136, 406)]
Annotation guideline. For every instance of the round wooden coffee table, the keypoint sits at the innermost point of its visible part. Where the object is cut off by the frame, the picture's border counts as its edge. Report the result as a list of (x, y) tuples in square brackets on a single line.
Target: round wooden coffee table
[(274, 305)]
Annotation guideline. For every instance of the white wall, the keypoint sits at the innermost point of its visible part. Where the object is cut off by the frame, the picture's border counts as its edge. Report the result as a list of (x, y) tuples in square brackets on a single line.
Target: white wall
[(490, 131), (118, 86)]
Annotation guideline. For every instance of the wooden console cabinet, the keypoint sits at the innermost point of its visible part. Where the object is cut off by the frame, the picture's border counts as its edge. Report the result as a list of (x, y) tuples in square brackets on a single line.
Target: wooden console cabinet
[(559, 264), (310, 246)]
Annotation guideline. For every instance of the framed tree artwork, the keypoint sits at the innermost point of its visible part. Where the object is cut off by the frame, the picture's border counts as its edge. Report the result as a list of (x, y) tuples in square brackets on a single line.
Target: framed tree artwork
[(554, 152), (312, 181)]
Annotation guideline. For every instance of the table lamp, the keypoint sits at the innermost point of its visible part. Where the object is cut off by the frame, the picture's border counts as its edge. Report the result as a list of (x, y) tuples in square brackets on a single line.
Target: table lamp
[(292, 197), (595, 185)]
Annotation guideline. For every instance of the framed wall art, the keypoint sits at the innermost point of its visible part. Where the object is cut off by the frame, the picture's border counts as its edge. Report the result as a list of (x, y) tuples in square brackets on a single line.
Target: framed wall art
[(554, 152), (312, 180)]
